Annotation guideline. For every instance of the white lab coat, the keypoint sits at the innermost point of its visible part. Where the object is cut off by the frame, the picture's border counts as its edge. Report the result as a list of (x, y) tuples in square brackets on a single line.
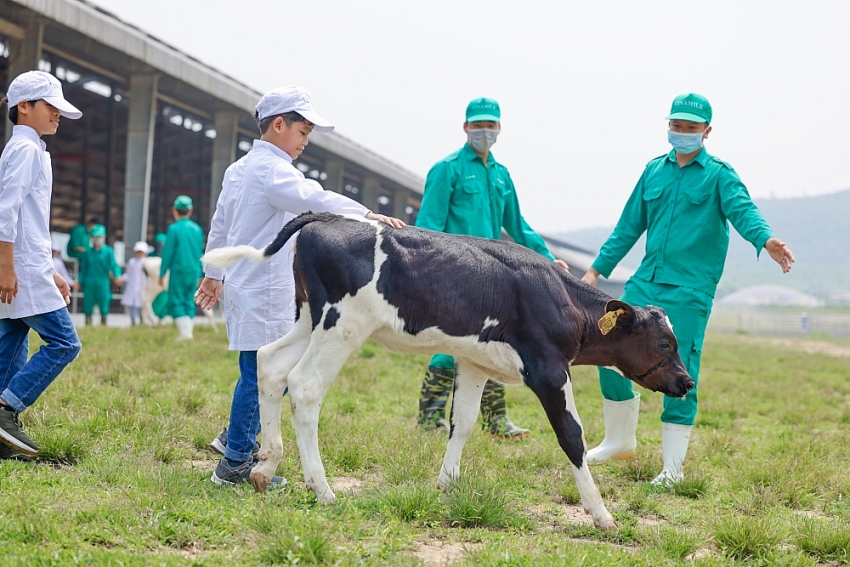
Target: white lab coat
[(26, 184), (135, 281), (260, 193)]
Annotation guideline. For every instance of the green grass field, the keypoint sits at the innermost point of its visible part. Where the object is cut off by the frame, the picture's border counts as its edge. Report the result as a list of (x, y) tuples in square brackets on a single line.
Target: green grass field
[(123, 478)]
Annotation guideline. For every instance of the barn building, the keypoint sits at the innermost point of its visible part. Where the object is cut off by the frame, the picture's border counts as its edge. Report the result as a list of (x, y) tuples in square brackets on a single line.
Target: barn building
[(158, 123)]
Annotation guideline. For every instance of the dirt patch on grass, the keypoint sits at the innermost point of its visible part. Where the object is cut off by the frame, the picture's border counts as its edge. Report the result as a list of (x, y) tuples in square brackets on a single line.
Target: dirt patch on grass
[(347, 484), (700, 553), (192, 550), (575, 515), (809, 347), (203, 465), (442, 553)]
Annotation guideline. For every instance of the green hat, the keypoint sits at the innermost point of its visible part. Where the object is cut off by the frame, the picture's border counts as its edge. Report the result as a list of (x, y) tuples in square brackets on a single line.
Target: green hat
[(692, 107), (183, 203), (98, 230), (482, 109), (160, 237)]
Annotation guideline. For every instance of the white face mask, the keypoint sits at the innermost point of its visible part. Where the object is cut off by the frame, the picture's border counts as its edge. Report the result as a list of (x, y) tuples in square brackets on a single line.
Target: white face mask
[(482, 139), (98, 240)]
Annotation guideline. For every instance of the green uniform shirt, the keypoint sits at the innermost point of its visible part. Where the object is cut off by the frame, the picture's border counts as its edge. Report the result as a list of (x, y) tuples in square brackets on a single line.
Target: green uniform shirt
[(684, 213), (96, 266), (79, 238), (463, 196), (184, 246)]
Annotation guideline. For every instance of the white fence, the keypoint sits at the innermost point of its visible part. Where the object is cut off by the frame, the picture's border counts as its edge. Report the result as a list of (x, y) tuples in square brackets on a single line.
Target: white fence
[(773, 323)]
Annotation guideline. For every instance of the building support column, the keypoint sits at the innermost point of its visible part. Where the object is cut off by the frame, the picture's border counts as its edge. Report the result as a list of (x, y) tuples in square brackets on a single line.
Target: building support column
[(371, 191), (400, 203), (226, 124), (24, 55), (335, 170), (141, 125)]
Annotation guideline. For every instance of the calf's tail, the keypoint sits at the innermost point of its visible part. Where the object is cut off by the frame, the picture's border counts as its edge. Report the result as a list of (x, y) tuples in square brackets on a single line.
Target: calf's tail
[(227, 257), (294, 226)]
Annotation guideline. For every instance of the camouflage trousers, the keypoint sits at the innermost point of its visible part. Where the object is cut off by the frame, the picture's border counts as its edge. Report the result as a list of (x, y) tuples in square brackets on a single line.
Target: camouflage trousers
[(439, 383)]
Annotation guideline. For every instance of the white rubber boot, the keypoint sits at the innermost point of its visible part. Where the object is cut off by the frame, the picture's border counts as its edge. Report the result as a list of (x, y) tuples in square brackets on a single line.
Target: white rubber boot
[(674, 445), (620, 441), (184, 328)]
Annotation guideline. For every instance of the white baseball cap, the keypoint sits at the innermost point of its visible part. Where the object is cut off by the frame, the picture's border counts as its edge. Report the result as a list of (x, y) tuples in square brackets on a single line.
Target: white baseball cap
[(38, 85), (292, 99), (141, 246)]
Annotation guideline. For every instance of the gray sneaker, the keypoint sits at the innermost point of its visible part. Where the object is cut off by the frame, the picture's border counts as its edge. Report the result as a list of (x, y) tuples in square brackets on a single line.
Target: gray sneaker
[(12, 434), (229, 473), (6, 454), (219, 444)]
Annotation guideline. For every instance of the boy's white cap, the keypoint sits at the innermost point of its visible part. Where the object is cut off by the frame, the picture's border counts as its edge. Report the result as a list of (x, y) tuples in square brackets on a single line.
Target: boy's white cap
[(38, 85), (141, 246), (56, 247), (292, 99)]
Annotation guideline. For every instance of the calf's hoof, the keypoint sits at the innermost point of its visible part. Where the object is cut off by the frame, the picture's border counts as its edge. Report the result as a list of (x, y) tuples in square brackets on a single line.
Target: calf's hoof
[(323, 494), (605, 523), (259, 481)]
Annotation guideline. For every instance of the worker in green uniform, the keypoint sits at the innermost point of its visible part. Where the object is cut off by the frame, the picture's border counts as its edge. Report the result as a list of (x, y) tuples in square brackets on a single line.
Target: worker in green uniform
[(682, 201), (78, 243), (98, 271), (470, 193), (181, 255), (158, 243)]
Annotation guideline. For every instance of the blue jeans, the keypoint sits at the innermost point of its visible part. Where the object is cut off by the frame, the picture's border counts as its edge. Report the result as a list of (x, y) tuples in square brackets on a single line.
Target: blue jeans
[(244, 423), (134, 315), (22, 382)]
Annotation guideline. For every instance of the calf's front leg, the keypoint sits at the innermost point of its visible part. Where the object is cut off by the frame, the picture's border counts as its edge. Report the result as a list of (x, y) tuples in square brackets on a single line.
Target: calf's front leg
[(556, 394)]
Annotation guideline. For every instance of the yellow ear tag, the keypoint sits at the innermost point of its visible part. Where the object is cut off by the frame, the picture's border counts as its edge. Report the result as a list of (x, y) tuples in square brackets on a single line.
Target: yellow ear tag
[(609, 321)]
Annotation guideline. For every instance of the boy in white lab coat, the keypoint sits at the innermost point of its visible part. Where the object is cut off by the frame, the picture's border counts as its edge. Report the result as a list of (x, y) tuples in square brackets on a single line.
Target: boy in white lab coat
[(32, 295), (260, 193), (135, 281)]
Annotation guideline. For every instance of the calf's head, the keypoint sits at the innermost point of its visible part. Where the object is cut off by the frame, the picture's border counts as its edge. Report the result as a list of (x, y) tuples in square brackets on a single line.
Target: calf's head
[(646, 349)]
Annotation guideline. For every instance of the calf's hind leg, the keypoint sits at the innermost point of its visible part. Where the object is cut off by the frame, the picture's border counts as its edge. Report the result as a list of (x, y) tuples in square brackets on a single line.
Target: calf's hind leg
[(555, 392), (308, 383), (469, 384), (274, 363)]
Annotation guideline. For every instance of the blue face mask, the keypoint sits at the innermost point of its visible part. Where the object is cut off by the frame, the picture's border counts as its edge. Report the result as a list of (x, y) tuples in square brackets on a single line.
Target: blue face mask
[(684, 143)]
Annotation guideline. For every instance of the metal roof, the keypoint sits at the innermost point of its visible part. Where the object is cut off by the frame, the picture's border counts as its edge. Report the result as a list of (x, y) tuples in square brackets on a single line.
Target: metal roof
[(106, 28)]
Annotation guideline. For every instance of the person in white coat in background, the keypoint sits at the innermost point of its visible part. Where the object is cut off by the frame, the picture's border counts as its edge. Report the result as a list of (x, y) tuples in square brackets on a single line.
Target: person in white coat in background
[(135, 282), (261, 192)]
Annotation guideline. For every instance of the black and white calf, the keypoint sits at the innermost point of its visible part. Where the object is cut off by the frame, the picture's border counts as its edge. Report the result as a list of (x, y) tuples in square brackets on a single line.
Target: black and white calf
[(503, 311)]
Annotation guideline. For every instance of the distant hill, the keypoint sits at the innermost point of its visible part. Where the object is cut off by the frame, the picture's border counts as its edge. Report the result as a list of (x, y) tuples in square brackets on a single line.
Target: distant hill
[(816, 228)]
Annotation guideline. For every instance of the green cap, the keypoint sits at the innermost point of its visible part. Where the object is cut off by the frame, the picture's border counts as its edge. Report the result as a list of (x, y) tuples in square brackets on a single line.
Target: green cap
[(183, 203), (160, 237), (482, 109), (98, 230), (692, 107)]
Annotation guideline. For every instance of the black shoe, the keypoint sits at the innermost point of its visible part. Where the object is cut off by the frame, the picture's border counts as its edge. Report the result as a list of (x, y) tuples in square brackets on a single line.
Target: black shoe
[(219, 444), (12, 434), (229, 473)]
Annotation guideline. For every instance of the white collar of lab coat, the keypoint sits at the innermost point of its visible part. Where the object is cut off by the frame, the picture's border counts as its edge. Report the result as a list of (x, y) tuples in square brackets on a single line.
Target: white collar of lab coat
[(28, 132), (268, 146)]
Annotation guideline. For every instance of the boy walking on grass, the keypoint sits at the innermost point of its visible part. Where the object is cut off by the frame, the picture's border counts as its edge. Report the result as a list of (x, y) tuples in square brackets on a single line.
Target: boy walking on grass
[(261, 192), (32, 295)]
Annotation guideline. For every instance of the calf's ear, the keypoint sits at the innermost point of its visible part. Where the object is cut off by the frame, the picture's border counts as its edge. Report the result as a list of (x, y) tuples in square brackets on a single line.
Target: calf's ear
[(617, 314)]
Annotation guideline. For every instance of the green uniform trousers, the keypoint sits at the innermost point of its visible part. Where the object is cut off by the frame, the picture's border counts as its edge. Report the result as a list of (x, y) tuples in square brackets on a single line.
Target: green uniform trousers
[(97, 292), (688, 310), (181, 294)]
